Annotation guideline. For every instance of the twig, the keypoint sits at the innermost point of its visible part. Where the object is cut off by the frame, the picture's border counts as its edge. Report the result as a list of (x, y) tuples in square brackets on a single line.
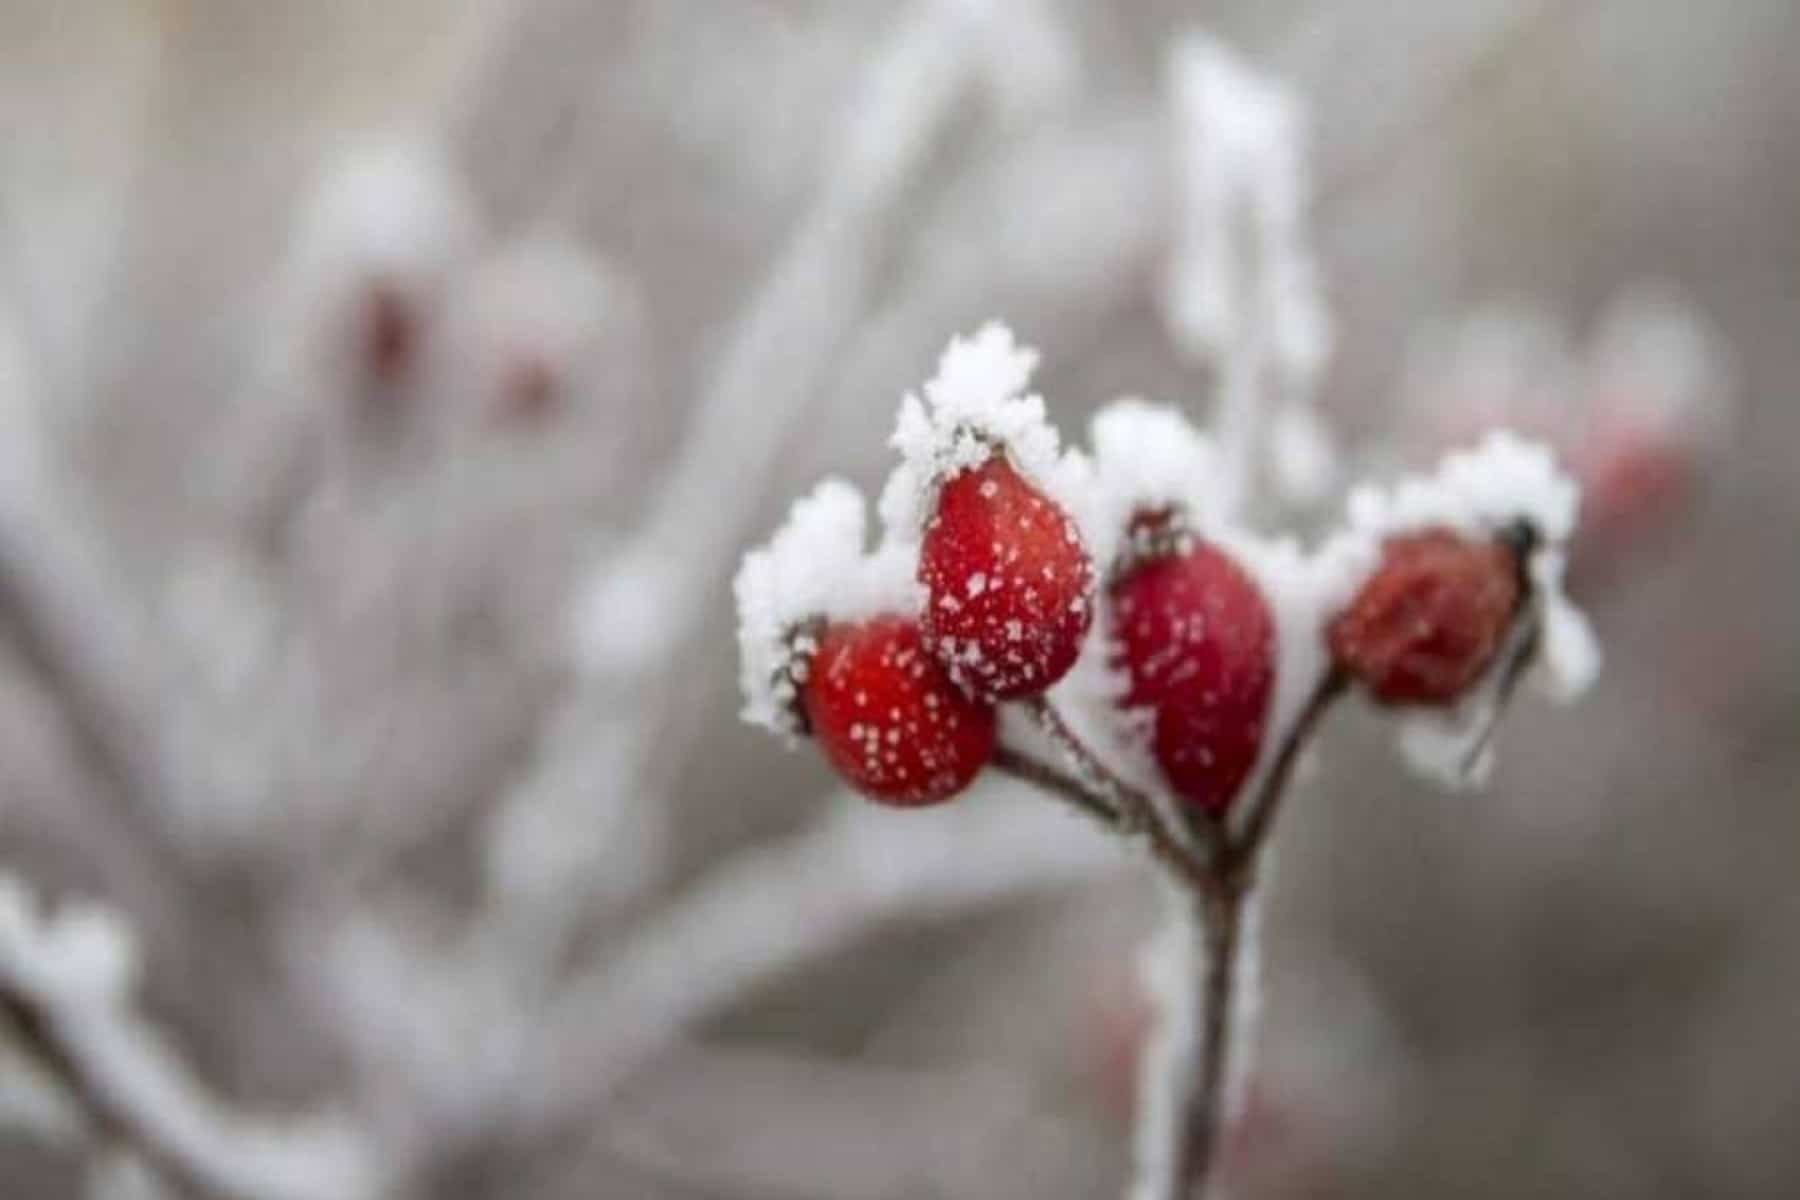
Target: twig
[(1221, 918), (1066, 788), (1242, 849), (61, 991), (1138, 814), (1526, 641)]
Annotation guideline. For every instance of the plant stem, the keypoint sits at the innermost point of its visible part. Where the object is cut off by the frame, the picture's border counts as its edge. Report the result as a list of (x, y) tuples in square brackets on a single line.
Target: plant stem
[(1214, 870), (1064, 787), (1242, 850), (1221, 919), (1135, 813), (109, 1124)]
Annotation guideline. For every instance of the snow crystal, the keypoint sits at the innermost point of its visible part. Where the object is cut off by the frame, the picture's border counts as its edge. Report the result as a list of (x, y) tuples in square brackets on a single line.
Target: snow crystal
[(814, 567), (975, 404)]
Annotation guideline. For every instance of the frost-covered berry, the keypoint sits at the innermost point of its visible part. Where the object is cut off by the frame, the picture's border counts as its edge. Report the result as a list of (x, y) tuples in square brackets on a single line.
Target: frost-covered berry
[(1008, 583), (1196, 640), (1428, 621), (889, 718)]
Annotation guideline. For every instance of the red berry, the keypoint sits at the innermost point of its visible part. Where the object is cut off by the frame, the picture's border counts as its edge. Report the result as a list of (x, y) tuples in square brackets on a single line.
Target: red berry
[(390, 333), (1428, 622), (1008, 583), (888, 717), (1197, 641), (1631, 479)]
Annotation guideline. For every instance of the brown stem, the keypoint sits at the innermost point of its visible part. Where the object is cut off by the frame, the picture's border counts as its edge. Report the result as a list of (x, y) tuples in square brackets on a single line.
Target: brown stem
[(1221, 918), (1242, 850), (1527, 639), (1217, 877), (1137, 813), (1064, 787)]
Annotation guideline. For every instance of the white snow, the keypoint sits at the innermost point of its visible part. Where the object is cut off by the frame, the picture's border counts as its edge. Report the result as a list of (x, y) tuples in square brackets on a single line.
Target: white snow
[(394, 208), (815, 565), (975, 405), (1146, 457), (1241, 268)]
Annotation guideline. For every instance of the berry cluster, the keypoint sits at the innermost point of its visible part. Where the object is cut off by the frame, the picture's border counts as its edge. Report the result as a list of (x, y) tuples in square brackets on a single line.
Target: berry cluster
[(1009, 567)]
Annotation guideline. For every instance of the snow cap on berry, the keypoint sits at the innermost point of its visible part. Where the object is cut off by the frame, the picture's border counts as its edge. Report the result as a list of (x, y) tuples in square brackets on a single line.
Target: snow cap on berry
[(815, 566), (975, 405), (1480, 494), (1147, 459), (394, 214)]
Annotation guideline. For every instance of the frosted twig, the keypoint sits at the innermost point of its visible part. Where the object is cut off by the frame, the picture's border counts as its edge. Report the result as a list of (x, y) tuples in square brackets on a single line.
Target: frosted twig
[(78, 620), (65, 983), (649, 594), (774, 363)]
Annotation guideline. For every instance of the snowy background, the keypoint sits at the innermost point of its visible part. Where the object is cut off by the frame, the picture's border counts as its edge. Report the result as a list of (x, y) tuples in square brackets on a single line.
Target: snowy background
[(387, 392)]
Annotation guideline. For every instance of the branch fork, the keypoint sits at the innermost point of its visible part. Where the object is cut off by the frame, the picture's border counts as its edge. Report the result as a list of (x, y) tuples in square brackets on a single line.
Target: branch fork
[(1210, 862)]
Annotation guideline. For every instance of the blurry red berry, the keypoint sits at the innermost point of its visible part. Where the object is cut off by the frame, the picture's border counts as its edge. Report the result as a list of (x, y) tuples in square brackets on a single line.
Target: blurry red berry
[(1008, 582), (1197, 642), (888, 717), (390, 333), (529, 390), (1631, 480), (1428, 622)]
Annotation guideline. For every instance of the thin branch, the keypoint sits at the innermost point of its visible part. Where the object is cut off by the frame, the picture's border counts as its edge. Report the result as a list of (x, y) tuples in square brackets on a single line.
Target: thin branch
[(108, 1124), (63, 991), (1221, 918), (1138, 815), (1527, 640), (1063, 787), (1260, 816)]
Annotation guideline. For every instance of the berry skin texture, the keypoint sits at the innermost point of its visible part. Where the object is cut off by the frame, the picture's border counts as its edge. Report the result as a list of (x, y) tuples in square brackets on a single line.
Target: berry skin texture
[(888, 718), (1009, 584), (1197, 642), (1428, 622)]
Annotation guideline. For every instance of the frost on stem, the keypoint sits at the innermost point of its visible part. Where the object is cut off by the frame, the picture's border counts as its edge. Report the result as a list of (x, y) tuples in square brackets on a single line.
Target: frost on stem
[(1242, 264), (1241, 289), (1506, 490), (66, 982)]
